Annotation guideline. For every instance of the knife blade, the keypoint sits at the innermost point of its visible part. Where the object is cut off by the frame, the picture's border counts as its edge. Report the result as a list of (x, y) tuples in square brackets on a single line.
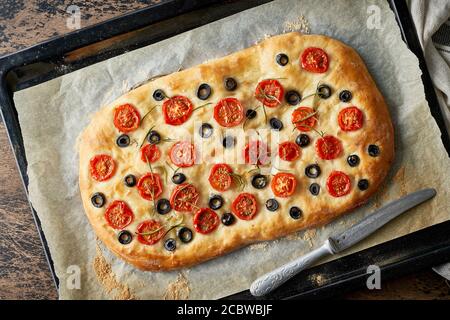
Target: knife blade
[(335, 244)]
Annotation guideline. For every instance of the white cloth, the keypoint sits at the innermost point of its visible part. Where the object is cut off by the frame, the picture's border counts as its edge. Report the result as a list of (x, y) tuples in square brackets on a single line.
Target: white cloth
[(431, 18)]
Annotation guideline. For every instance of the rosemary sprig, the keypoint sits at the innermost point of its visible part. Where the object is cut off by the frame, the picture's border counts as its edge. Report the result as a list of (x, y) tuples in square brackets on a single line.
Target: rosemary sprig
[(145, 137), (163, 170), (246, 119), (265, 113), (202, 106), (170, 226), (150, 111)]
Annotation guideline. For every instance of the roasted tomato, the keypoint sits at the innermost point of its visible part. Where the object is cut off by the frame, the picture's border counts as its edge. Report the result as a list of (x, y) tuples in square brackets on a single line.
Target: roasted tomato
[(256, 152), (102, 167), (314, 60), (328, 148), (220, 177), (150, 153), (150, 232), (350, 119), (126, 118), (119, 215), (177, 110), (289, 151), (184, 198), (182, 154), (205, 221), (304, 118), (283, 185), (338, 184), (245, 206), (270, 92), (229, 112), (149, 186)]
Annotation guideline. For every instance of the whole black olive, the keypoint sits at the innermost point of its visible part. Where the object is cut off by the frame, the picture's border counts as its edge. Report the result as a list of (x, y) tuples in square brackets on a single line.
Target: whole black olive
[(124, 237), (123, 141), (363, 184), (98, 199), (215, 202), (312, 171), (230, 84), (163, 206), (228, 141), (295, 213), (302, 140), (184, 234), (276, 124), (154, 137), (206, 130), (159, 95), (373, 150), (324, 91), (259, 181), (178, 178), (204, 91), (314, 188), (250, 114), (272, 205), (170, 244), (345, 96), (282, 59), (353, 160), (130, 180), (293, 97), (227, 219)]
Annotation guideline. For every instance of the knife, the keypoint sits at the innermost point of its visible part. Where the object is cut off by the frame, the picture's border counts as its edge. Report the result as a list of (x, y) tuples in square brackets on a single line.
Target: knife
[(272, 280)]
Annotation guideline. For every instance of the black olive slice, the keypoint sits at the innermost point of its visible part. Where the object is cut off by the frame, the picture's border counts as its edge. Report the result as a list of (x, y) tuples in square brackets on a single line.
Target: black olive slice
[(314, 188), (250, 114), (312, 171), (259, 181), (302, 140), (215, 202), (206, 130), (230, 84), (124, 237), (170, 244), (282, 59), (163, 206), (123, 141), (228, 142), (159, 95), (98, 199), (184, 234), (324, 91), (272, 205), (363, 184), (154, 137), (276, 124), (295, 213), (345, 96), (293, 97), (373, 150), (204, 91), (178, 178), (227, 219), (353, 160), (130, 180)]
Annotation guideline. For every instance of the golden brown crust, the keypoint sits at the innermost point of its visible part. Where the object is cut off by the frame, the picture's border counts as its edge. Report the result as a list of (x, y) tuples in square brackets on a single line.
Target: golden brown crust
[(249, 66)]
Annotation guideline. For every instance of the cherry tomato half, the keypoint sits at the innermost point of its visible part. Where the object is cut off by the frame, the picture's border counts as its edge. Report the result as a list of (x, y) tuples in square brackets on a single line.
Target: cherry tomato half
[(229, 112), (126, 118), (283, 185), (304, 118), (150, 153), (220, 177), (102, 167), (149, 186), (270, 92), (177, 110), (338, 184), (150, 232), (245, 206), (182, 154), (184, 198), (350, 119), (328, 148), (314, 60), (256, 152), (119, 215), (205, 221), (289, 151)]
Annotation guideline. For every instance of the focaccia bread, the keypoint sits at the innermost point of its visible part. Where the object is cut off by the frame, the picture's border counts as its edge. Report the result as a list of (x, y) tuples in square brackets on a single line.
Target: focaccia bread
[(285, 135)]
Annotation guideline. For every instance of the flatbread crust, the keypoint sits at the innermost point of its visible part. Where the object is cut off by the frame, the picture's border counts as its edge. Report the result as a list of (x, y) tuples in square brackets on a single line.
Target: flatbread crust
[(248, 67)]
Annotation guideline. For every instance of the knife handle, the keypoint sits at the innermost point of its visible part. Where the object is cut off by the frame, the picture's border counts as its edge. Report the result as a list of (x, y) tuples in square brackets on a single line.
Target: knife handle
[(272, 280)]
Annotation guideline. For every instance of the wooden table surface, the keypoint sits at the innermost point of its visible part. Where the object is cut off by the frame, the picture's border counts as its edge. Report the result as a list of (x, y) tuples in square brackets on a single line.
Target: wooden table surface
[(24, 273)]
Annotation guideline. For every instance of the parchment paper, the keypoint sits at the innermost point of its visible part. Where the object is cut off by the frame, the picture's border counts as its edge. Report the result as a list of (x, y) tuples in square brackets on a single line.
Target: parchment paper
[(53, 114)]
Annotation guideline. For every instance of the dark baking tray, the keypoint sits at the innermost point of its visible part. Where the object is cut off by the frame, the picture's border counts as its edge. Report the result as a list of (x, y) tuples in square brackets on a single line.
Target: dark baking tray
[(84, 47)]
